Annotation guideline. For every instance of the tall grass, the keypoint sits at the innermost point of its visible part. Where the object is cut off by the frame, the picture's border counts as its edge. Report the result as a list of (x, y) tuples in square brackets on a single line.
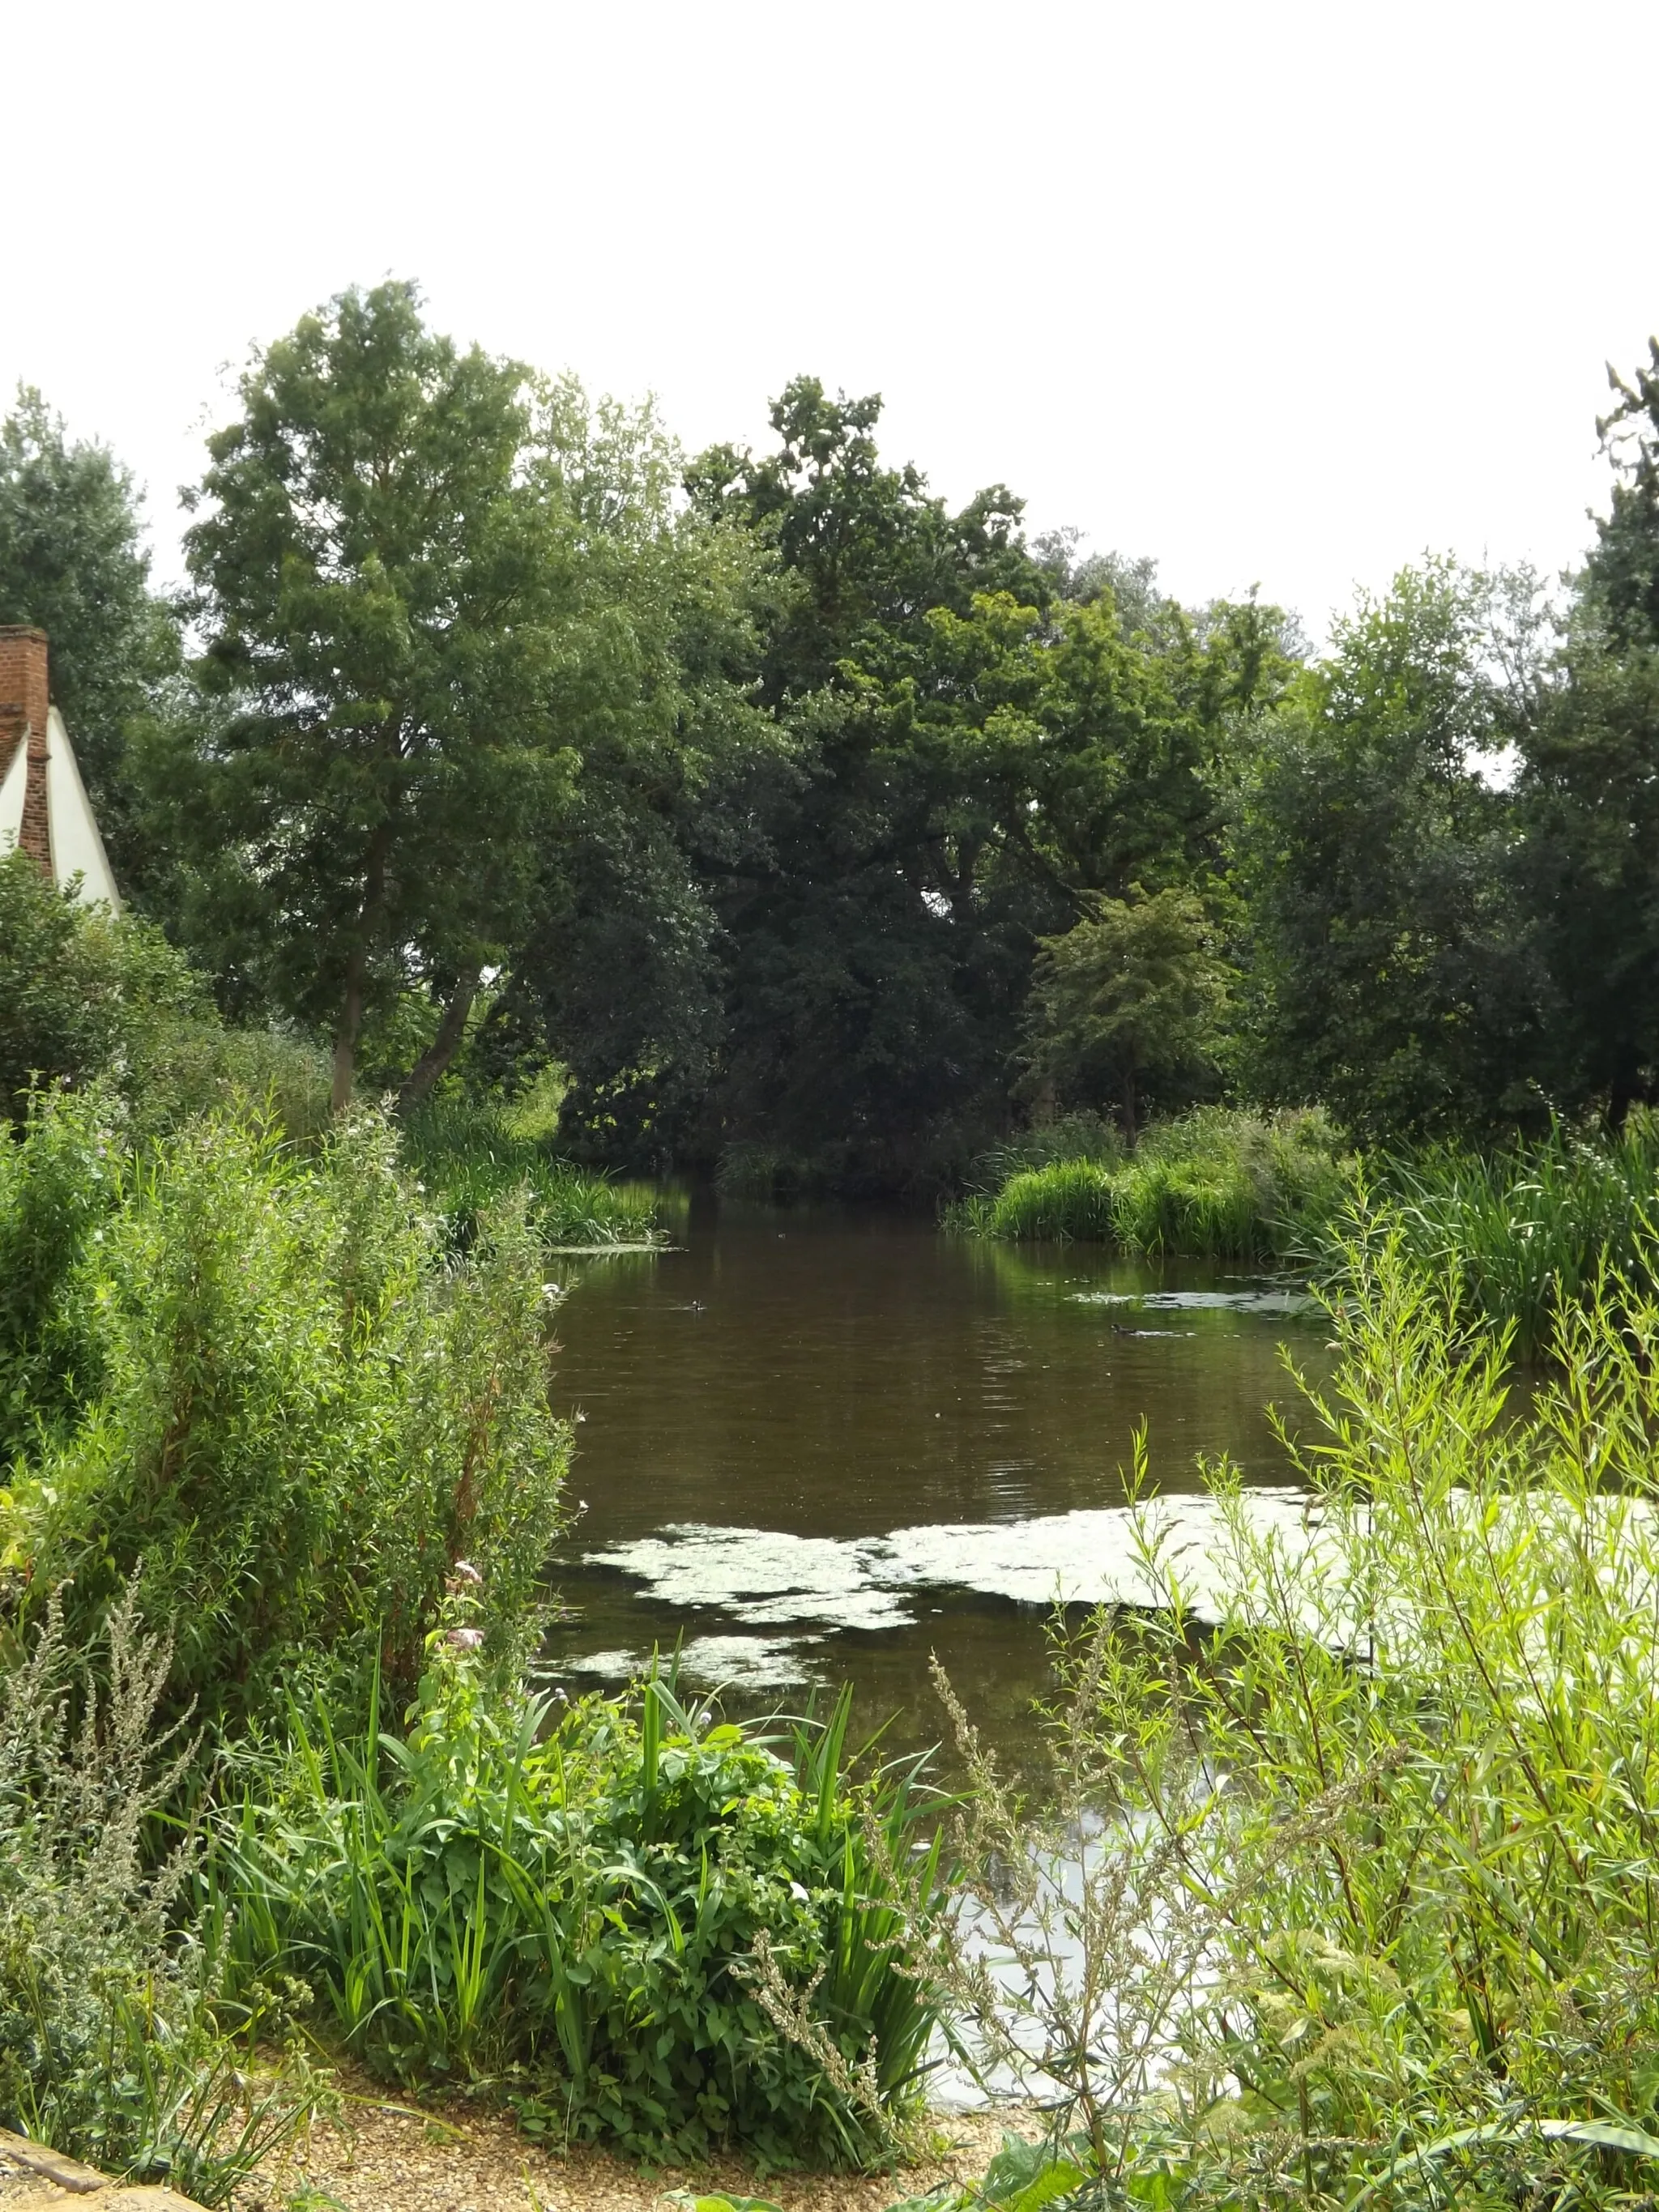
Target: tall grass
[(606, 1908), (469, 1157), (1215, 1184), (1523, 1231), (1353, 1897)]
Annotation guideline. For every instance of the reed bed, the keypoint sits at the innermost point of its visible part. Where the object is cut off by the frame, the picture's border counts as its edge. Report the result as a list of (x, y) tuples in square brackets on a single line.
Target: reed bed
[(1214, 1185), (1519, 1235)]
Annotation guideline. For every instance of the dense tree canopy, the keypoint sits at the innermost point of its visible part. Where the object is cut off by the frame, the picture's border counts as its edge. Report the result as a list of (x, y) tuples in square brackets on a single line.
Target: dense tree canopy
[(782, 804)]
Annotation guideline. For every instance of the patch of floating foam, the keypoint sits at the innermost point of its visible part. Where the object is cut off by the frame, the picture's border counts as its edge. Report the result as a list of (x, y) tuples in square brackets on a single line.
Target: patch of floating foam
[(610, 1666), (1248, 1301), (765, 1576), (758, 1663)]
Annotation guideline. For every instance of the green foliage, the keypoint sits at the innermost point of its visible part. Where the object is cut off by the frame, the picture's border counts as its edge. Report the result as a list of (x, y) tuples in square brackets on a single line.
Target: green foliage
[(55, 1185), (294, 1412), (109, 2049), (385, 576), (1363, 1911), (1129, 1002), (86, 996), (1389, 977), (970, 761), (1213, 1185), (623, 1913), (67, 982)]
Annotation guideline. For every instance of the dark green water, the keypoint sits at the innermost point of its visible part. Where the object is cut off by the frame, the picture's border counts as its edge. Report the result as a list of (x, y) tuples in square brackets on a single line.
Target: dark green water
[(792, 1388)]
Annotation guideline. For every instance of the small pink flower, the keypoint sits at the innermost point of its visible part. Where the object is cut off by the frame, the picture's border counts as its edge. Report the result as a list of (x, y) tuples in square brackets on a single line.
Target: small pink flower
[(464, 1639), (464, 1572)]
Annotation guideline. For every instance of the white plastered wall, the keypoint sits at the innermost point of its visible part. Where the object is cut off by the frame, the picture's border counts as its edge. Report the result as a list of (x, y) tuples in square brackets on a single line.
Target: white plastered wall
[(11, 801), (76, 846)]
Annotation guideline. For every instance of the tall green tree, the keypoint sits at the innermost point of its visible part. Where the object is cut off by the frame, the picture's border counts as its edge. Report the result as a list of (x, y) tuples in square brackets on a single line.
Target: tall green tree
[(73, 562), (1129, 1007), (975, 752), (1389, 975), (1588, 791), (387, 577), (619, 974)]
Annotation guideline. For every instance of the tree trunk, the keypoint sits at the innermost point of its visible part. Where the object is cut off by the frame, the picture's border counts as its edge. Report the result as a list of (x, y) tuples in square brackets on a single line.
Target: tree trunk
[(351, 1013), (417, 1084), (345, 1038), (1131, 1129)]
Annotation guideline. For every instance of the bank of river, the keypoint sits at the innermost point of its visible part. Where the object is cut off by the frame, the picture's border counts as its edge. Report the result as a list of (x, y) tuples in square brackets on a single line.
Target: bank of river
[(818, 1445)]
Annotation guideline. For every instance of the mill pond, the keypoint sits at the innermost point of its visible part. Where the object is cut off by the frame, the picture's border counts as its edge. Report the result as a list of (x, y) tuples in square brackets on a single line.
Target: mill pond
[(816, 1445)]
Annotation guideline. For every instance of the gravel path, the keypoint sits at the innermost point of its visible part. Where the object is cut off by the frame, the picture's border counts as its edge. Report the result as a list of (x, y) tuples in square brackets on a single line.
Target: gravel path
[(380, 2156)]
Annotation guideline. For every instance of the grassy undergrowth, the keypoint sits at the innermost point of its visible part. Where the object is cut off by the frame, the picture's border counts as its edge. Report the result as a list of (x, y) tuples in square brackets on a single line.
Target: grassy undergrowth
[(470, 1157), (1216, 1184), (1523, 1231)]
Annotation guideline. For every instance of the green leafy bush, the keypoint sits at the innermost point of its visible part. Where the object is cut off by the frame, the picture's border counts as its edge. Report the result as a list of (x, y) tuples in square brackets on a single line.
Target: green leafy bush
[(70, 976), (56, 1183), (109, 2047), (654, 1926), (293, 1412), (84, 997)]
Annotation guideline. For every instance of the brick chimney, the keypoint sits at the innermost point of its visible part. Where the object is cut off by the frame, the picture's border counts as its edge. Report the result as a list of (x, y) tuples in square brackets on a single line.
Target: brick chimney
[(24, 704)]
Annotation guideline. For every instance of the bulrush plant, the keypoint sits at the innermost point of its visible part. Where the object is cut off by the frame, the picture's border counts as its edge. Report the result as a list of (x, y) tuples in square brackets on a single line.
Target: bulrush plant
[(616, 1914), (1351, 1897)]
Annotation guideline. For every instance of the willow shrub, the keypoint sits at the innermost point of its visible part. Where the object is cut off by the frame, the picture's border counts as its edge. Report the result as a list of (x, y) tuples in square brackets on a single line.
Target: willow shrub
[(1367, 1905), (640, 1923), (259, 1382)]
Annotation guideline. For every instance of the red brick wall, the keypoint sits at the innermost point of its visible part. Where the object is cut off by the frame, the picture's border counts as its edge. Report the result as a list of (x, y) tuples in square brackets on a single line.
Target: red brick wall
[(24, 701)]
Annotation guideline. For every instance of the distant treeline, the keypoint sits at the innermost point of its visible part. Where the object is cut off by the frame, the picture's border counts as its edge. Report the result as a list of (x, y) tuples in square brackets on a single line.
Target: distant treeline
[(785, 808)]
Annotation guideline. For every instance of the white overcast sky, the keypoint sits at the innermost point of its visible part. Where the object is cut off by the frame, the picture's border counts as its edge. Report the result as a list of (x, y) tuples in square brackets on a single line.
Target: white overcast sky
[(1280, 294)]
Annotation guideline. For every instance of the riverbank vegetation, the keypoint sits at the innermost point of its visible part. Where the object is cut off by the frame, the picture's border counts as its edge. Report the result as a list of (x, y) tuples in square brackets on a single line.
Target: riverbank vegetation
[(1213, 1185), (282, 1475)]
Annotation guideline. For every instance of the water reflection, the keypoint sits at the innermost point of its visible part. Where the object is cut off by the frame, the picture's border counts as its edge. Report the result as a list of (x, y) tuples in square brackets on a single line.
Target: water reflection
[(841, 1376)]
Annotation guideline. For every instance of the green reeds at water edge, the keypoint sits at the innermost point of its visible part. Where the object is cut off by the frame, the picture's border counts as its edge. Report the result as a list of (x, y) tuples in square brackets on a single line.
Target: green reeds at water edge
[(1520, 1234), (640, 1922), (1215, 1185), (467, 1156)]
